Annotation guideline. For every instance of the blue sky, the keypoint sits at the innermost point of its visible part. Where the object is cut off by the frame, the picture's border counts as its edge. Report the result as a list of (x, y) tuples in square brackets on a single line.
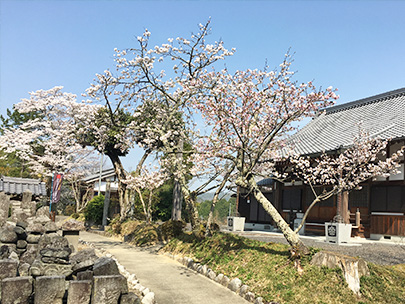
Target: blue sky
[(356, 46)]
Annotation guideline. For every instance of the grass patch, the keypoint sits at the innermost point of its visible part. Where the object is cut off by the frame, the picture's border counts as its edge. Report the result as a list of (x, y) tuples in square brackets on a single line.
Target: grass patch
[(386, 284), (269, 272)]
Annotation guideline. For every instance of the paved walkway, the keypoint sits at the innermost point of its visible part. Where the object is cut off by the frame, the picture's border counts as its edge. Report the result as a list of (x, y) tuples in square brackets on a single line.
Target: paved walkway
[(169, 280)]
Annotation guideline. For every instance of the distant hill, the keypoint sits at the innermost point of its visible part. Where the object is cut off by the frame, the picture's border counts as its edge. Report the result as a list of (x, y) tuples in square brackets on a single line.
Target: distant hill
[(209, 196)]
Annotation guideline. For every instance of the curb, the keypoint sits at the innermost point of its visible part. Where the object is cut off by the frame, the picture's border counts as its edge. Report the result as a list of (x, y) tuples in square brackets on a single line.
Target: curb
[(234, 285)]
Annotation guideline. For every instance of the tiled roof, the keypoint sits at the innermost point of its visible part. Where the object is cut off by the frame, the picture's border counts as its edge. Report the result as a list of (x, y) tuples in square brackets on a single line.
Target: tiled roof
[(266, 182), (107, 173), (16, 185), (382, 115)]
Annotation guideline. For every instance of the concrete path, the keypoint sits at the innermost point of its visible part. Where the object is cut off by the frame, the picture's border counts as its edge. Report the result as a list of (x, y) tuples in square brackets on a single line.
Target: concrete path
[(169, 280)]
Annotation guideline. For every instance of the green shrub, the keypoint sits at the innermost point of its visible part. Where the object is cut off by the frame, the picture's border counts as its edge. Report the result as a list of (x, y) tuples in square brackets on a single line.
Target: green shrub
[(93, 212), (162, 210)]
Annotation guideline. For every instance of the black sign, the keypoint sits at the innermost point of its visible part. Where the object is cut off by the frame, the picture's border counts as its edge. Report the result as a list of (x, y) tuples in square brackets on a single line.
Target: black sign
[(230, 221), (331, 230)]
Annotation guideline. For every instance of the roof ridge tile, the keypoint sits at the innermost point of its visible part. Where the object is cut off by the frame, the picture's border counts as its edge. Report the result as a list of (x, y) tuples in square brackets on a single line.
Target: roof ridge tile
[(365, 101)]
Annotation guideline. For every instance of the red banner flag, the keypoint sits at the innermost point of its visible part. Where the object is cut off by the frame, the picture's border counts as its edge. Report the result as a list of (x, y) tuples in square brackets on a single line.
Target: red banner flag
[(56, 187)]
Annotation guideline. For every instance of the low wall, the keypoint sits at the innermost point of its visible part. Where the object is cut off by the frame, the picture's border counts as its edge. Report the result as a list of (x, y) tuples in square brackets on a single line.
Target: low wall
[(56, 289), (39, 266)]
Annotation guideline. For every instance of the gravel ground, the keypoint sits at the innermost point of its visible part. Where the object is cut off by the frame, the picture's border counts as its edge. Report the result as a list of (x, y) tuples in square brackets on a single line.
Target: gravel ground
[(382, 253)]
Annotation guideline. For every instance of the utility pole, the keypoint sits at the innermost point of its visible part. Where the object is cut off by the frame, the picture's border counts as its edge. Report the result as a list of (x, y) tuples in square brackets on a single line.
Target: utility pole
[(100, 172)]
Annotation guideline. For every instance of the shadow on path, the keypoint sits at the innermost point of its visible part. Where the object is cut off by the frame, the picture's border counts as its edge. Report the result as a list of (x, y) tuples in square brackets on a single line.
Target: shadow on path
[(171, 282)]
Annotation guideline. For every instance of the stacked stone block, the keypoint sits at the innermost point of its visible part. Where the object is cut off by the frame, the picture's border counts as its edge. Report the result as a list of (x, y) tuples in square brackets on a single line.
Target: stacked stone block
[(109, 289), (17, 290), (4, 208), (38, 265), (79, 292), (22, 210), (52, 257), (90, 279)]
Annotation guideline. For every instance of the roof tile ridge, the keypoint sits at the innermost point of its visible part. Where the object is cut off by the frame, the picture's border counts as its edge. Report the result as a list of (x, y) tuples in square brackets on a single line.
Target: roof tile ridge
[(365, 101)]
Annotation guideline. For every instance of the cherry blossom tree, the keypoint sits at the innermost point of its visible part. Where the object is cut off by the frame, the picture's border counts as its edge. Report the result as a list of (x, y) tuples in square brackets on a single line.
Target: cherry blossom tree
[(156, 98), (146, 182), (363, 160), (216, 171), (109, 133), (251, 114), (47, 140)]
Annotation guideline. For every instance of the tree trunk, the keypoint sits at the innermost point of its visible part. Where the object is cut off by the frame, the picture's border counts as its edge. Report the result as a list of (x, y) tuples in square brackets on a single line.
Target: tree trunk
[(342, 208), (143, 203), (149, 213), (81, 200), (177, 201), (208, 231), (190, 204), (339, 208), (292, 238), (210, 219), (123, 192), (193, 212), (74, 184), (177, 192)]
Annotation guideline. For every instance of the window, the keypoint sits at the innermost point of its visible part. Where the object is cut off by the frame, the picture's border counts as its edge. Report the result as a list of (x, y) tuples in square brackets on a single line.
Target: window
[(388, 198), (292, 199)]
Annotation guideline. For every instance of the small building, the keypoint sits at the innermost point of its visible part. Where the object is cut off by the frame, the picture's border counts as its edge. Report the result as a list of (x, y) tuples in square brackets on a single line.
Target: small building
[(381, 202), (98, 182)]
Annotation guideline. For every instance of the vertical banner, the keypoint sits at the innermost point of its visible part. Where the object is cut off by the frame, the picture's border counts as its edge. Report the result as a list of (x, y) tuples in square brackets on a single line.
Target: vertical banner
[(56, 187)]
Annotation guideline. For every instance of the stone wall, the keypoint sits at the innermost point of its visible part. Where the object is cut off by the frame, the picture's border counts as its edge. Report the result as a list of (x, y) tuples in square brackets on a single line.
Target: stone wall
[(106, 289), (39, 266), (20, 210)]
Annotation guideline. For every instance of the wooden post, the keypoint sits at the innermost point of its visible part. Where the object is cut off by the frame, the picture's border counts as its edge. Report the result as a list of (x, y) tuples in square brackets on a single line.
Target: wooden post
[(358, 218), (345, 207), (237, 201), (106, 203)]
